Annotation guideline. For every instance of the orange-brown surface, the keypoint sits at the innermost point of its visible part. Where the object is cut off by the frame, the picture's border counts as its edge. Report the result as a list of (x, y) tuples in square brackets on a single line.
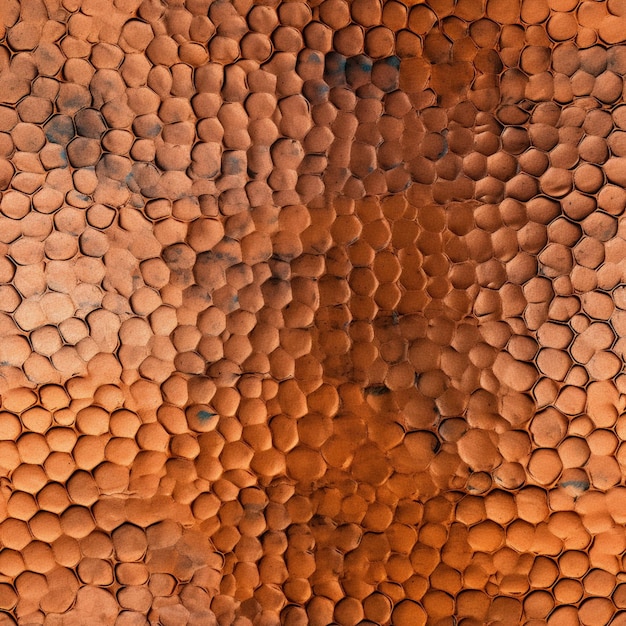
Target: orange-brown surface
[(312, 312)]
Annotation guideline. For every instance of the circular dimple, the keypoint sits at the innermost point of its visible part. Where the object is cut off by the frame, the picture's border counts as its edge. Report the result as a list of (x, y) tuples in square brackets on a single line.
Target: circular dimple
[(60, 246), (93, 243), (28, 137), (14, 204), (556, 182), (593, 60), (617, 143), (33, 109), (582, 83), (534, 162), (588, 178), (619, 116), (608, 87), (545, 466), (33, 448), (256, 46), (574, 452), (100, 216), (57, 307), (118, 141), (604, 366), (83, 152), (612, 199), (136, 36), (568, 591), (598, 123), (262, 19), (46, 340), (535, 59), (554, 363), (223, 49), (193, 54), (562, 26), (594, 149), (379, 42), (162, 50), (594, 610), (90, 123), (335, 13), (47, 200), (601, 226)]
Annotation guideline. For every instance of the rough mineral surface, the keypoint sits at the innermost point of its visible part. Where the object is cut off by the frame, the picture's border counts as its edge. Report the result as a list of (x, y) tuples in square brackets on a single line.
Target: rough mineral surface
[(312, 313)]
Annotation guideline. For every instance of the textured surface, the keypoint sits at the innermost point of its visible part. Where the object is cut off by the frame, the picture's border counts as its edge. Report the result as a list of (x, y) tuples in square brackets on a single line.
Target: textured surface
[(312, 313)]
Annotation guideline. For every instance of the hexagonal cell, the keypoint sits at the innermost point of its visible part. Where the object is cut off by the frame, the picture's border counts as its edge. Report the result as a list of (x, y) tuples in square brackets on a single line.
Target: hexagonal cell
[(588, 178), (598, 305), (34, 109), (28, 137), (557, 182), (563, 231), (29, 315), (554, 363), (600, 226), (545, 466), (556, 259), (46, 340), (90, 123), (522, 348), (589, 252), (552, 335), (548, 427), (583, 279), (604, 366), (84, 152), (9, 298)]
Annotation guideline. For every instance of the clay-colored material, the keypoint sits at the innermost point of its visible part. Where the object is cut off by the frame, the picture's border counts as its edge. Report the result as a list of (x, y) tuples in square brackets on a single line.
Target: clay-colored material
[(312, 313)]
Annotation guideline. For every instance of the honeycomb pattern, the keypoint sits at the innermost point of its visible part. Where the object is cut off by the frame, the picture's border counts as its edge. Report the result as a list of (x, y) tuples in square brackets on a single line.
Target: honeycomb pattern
[(312, 312)]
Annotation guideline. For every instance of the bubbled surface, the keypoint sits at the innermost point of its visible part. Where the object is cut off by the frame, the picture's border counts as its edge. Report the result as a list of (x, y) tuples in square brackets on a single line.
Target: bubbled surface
[(312, 312)]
